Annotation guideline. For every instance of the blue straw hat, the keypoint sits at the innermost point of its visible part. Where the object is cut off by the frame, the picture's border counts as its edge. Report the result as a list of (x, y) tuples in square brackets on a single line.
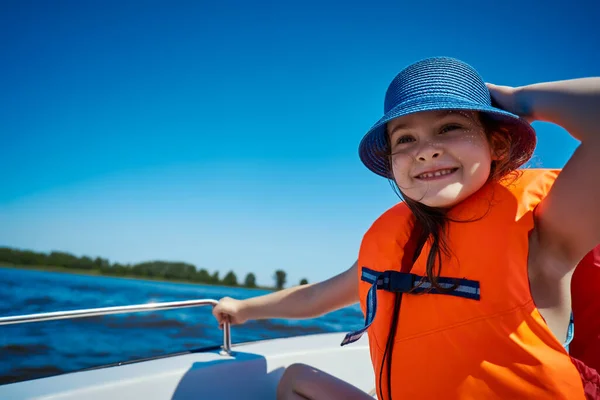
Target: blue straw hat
[(439, 83)]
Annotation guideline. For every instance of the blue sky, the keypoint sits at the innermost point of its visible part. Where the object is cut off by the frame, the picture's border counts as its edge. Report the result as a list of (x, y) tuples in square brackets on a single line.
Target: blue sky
[(225, 133)]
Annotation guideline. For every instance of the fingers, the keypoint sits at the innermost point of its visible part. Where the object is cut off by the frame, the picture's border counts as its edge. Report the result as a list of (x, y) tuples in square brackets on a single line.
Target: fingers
[(494, 86), (223, 318), (223, 312), (499, 88), (218, 313), (215, 312)]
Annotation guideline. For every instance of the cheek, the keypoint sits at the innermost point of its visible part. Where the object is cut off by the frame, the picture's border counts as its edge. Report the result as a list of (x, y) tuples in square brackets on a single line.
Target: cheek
[(400, 165), (473, 138), (472, 146)]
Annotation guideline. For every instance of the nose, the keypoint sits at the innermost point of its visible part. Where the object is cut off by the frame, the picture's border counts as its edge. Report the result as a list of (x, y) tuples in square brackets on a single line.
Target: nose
[(429, 151)]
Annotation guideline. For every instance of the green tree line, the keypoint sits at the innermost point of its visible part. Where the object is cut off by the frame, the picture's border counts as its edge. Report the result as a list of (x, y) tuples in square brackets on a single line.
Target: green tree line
[(163, 270)]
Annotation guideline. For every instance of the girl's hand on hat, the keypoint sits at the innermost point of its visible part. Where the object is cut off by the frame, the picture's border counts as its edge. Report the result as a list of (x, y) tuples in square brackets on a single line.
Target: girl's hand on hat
[(508, 98)]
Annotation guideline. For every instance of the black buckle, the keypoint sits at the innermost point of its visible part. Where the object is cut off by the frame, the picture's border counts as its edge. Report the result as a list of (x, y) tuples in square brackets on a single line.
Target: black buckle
[(394, 281)]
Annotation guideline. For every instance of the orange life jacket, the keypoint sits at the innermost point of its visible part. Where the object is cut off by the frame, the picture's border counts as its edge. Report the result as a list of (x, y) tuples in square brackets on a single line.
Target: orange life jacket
[(484, 340)]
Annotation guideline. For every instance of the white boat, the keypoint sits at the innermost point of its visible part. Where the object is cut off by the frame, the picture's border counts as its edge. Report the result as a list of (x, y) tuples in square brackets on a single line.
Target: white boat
[(242, 371)]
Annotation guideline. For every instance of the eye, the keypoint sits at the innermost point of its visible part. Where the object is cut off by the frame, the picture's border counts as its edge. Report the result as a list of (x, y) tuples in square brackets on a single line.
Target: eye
[(404, 139), (450, 127)]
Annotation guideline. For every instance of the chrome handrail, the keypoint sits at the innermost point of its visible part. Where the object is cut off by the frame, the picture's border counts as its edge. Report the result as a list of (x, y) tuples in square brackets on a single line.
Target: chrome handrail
[(93, 312)]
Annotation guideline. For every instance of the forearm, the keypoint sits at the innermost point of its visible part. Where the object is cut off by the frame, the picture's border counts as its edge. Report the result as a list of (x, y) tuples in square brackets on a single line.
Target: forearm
[(573, 104), (293, 303), (306, 301)]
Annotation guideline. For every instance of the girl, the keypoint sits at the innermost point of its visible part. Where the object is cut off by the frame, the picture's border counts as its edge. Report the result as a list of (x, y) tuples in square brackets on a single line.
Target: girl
[(471, 273), (314, 300)]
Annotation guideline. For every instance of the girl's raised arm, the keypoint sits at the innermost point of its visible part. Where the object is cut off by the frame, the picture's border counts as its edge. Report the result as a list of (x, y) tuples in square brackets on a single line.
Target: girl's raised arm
[(568, 219)]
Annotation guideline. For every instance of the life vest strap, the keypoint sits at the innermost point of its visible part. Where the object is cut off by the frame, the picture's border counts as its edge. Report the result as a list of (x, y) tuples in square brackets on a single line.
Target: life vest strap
[(403, 282)]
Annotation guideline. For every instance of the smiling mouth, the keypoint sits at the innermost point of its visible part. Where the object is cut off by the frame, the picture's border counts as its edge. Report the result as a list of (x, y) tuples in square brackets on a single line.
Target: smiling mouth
[(436, 174)]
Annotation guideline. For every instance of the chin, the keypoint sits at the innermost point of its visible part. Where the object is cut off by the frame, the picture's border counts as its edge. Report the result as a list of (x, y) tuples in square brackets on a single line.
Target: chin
[(448, 199), (441, 202), (445, 198)]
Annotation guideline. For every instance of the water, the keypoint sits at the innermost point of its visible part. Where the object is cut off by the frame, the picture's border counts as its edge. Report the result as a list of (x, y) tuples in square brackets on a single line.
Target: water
[(40, 349)]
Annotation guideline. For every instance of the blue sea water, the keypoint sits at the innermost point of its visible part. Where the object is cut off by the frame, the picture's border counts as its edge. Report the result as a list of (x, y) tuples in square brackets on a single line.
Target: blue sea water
[(40, 349)]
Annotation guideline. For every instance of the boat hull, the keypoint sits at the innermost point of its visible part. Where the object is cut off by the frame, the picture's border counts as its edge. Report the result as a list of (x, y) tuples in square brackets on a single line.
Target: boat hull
[(251, 372)]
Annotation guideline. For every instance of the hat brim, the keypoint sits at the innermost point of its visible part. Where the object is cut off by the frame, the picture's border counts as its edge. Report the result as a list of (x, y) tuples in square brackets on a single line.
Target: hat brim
[(373, 146)]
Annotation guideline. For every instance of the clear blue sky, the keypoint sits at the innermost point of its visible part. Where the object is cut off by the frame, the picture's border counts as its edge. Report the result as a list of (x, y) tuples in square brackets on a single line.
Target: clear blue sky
[(225, 133)]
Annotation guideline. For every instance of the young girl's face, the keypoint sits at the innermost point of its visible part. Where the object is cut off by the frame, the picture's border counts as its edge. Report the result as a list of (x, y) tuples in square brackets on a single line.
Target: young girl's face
[(439, 158)]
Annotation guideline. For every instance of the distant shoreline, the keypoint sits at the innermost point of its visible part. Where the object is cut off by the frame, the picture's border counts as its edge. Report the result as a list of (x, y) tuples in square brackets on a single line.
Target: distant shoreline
[(64, 270)]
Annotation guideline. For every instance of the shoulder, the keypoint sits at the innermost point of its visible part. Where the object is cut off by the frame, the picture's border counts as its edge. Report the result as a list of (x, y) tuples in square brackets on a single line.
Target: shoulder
[(531, 179), (399, 213), (393, 224), (530, 187)]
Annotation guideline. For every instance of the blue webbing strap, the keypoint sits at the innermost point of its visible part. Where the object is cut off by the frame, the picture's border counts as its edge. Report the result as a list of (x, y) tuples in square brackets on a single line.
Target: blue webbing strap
[(402, 282)]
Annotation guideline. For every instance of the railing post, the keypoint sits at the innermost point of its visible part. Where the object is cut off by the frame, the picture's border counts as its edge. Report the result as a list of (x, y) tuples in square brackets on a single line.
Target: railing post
[(226, 349)]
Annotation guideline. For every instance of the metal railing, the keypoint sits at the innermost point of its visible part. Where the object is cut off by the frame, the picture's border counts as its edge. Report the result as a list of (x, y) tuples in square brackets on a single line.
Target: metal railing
[(94, 312)]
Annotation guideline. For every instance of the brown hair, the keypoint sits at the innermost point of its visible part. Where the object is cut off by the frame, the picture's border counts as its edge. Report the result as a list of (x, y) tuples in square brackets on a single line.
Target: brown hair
[(431, 222)]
